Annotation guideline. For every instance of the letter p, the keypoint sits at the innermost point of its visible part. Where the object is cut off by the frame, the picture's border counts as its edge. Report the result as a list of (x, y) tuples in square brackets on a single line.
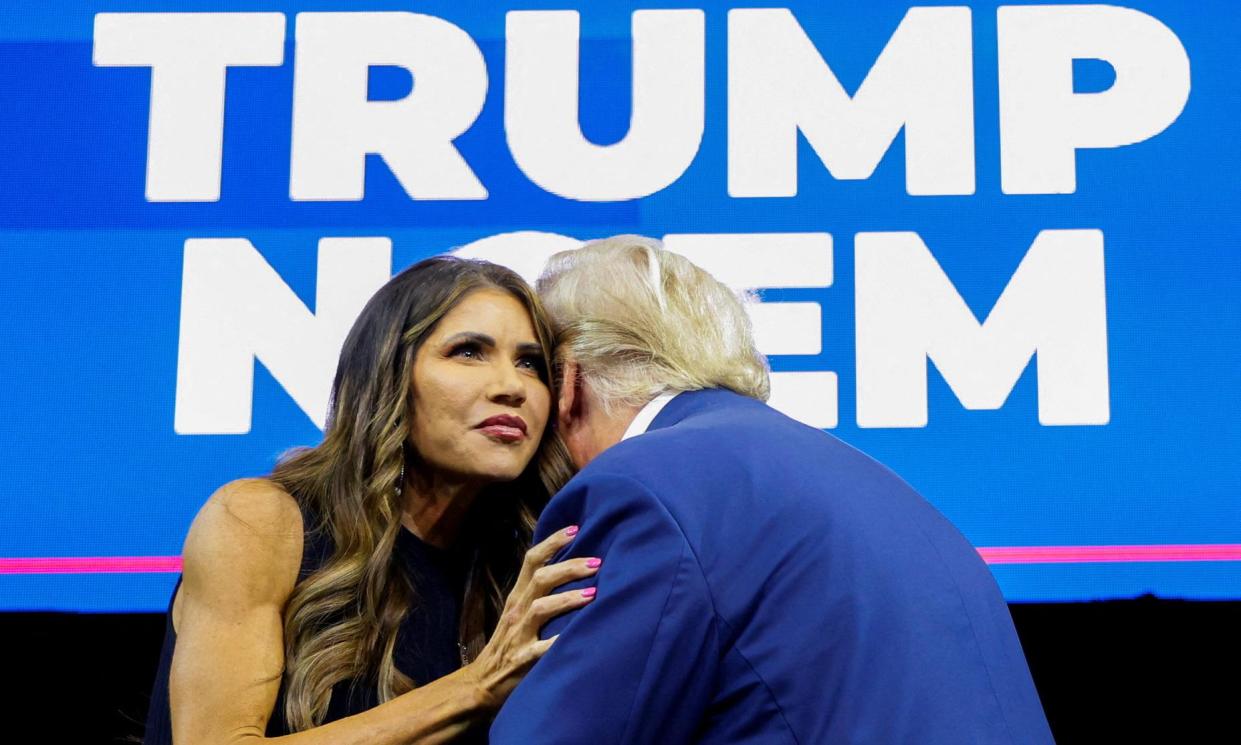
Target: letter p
[(1043, 122)]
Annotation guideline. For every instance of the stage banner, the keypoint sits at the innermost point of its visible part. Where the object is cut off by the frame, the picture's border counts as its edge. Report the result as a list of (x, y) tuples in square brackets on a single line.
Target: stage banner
[(992, 245)]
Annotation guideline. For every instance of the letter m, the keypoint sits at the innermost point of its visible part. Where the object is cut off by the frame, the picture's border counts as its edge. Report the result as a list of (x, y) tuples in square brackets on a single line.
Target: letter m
[(908, 311), (236, 309)]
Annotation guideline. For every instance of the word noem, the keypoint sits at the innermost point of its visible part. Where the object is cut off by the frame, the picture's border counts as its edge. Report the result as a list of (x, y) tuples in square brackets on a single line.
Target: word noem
[(236, 309)]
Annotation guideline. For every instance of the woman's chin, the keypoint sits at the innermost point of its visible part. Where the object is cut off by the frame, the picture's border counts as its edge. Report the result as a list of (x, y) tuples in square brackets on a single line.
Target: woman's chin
[(502, 471)]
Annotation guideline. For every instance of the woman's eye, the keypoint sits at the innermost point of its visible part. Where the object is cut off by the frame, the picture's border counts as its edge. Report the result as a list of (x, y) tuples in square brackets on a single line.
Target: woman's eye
[(467, 351), (531, 362)]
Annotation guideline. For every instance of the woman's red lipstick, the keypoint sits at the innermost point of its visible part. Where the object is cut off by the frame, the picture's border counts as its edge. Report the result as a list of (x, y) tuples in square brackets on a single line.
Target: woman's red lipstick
[(504, 427)]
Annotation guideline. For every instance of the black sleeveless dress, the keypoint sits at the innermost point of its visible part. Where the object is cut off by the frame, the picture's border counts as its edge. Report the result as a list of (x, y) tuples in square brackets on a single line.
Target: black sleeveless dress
[(426, 646)]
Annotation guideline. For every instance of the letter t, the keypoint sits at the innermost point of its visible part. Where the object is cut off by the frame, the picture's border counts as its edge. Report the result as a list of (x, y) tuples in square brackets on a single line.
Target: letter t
[(188, 54)]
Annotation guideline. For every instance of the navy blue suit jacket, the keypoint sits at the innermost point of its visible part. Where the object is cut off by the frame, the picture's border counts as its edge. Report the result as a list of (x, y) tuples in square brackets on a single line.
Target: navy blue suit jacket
[(763, 582)]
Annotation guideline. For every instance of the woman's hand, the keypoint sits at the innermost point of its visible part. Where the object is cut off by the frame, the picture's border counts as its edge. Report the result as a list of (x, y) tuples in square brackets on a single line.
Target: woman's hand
[(515, 646)]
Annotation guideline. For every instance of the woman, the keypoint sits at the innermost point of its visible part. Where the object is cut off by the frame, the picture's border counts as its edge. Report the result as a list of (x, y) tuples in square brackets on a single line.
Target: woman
[(349, 597)]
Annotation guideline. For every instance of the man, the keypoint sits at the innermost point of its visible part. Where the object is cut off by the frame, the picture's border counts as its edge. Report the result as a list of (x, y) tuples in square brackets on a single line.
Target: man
[(762, 582)]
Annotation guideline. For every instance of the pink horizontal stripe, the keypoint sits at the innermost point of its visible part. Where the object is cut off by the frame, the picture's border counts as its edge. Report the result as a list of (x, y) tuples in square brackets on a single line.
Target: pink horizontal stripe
[(90, 565), (1087, 554), (991, 554)]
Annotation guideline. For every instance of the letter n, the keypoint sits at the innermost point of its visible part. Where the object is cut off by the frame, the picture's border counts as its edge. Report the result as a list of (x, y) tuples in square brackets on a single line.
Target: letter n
[(236, 309)]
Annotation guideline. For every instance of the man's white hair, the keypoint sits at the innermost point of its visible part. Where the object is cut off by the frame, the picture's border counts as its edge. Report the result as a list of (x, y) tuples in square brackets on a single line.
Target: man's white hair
[(640, 321)]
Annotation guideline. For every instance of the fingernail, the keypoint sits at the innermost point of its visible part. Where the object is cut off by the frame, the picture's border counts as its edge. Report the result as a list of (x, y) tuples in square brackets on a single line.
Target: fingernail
[(571, 530), (589, 592), (594, 563)]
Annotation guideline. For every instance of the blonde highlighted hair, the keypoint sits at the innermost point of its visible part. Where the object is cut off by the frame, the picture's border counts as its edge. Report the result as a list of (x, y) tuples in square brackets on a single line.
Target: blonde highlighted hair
[(640, 321), (341, 621)]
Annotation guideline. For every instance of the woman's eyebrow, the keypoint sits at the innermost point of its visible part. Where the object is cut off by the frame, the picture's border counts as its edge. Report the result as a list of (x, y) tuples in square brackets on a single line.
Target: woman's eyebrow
[(527, 347), (474, 336)]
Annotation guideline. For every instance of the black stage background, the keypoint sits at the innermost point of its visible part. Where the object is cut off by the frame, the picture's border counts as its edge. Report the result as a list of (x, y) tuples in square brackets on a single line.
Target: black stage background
[(1142, 670)]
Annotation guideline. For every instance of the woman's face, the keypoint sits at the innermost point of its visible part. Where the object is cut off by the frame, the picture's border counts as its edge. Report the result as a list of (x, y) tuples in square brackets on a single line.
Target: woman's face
[(480, 402)]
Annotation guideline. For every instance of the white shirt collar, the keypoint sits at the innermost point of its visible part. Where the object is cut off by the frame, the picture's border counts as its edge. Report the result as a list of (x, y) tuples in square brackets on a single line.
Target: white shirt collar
[(647, 414)]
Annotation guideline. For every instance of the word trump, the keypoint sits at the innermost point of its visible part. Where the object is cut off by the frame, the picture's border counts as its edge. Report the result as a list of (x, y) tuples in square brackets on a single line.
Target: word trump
[(779, 85), (235, 309)]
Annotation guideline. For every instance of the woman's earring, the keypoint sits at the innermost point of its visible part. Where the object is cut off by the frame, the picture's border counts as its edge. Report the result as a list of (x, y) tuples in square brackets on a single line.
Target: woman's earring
[(400, 482)]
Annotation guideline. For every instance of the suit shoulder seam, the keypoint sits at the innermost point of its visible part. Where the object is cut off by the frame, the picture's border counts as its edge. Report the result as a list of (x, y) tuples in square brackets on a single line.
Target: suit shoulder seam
[(689, 546), (663, 613)]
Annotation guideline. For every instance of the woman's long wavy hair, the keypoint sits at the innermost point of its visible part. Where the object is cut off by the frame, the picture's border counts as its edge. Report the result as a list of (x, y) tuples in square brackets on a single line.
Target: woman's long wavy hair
[(341, 621)]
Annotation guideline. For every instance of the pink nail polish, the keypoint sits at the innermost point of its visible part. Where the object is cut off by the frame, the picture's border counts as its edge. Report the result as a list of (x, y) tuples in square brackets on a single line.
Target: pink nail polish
[(589, 592), (594, 563), (571, 530)]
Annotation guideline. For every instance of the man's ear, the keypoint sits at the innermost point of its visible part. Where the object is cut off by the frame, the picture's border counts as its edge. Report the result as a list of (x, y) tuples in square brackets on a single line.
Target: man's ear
[(569, 407)]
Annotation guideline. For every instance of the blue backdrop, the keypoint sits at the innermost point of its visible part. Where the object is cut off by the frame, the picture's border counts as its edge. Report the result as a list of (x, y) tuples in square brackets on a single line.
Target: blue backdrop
[(92, 279)]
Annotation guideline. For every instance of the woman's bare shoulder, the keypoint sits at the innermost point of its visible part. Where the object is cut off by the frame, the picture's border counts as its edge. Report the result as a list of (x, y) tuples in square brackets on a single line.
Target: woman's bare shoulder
[(259, 505), (248, 536)]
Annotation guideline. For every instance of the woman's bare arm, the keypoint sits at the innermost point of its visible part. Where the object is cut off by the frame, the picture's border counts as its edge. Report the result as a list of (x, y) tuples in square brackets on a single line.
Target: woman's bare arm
[(241, 560)]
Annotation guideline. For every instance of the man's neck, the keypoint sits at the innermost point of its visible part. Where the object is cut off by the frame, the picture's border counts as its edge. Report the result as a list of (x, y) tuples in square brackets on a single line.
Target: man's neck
[(645, 416), (610, 428), (600, 428), (607, 428)]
